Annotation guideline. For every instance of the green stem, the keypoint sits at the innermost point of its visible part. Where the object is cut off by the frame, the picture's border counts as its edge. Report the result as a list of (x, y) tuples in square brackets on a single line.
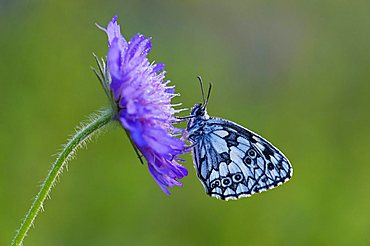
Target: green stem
[(83, 134)]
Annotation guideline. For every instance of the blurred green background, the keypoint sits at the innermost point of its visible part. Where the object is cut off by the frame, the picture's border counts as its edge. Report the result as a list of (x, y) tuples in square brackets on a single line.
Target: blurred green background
[(297, 72)]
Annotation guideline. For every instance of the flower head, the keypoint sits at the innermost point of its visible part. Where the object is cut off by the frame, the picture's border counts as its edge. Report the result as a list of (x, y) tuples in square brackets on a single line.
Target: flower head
[(143, 100)]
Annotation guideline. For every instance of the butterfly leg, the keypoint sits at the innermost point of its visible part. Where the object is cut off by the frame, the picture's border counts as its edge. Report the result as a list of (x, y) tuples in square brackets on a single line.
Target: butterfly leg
[(187, 148), (182, 119)]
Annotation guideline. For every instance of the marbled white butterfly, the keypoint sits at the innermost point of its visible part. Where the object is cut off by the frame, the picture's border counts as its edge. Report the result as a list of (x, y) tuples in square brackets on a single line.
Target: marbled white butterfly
[(230, 160)]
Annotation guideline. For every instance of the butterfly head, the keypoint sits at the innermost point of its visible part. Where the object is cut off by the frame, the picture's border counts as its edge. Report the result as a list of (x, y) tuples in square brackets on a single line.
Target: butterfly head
[(198, 110)]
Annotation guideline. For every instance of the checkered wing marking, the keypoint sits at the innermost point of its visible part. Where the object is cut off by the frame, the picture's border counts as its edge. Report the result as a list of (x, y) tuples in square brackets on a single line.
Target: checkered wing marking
[(233, 162)]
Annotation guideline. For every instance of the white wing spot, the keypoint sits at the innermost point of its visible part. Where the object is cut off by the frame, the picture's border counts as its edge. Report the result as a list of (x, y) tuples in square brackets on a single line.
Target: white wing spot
[(243, 147), (261, 163), (258, 173), (217, 190), (269, 174), (202, 151), (223, 169), (234, 168), (250, 183), (268, 182), (256, 138), (214, 175), (204, 171), (243, 141), (219, 144), (286, 166), (277, 156), (241, 189), (236, 153), (260, 146), (283, 173), (229, 191), (273, 160), (221, 133)]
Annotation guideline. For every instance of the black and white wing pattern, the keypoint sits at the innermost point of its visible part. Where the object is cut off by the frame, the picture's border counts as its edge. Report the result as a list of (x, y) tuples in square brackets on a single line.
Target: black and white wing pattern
[(233, 162)]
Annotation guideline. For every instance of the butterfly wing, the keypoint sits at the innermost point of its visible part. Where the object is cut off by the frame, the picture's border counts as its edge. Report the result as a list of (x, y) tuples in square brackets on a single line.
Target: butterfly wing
[(233, 162)]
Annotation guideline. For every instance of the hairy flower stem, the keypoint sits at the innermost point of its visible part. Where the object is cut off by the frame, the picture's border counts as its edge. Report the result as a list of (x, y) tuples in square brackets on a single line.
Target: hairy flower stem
[(95, 125)]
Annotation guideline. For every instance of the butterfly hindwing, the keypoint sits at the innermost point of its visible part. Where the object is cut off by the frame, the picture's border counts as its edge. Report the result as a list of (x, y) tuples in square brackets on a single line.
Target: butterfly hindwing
[(233, 162)]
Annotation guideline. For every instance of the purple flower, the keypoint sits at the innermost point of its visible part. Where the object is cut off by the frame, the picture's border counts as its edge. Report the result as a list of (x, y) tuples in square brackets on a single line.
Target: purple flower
[(143, 100)]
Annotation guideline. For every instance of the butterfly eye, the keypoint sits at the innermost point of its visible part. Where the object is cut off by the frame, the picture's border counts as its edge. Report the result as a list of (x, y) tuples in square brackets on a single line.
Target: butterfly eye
[(226, 181), (237, 177), (252, 153)]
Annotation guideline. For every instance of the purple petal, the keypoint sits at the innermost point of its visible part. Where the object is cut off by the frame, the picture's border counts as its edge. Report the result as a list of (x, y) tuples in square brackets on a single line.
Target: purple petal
[(158, 67), (138, 46)]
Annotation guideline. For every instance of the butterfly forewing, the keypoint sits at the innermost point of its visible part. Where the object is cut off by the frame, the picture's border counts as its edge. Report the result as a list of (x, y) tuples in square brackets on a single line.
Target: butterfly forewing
[(233, 162)]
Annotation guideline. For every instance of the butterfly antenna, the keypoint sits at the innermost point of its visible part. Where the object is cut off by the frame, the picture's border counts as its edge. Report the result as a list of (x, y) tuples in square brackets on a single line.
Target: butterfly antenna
[(201, 88), (208, 94)]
